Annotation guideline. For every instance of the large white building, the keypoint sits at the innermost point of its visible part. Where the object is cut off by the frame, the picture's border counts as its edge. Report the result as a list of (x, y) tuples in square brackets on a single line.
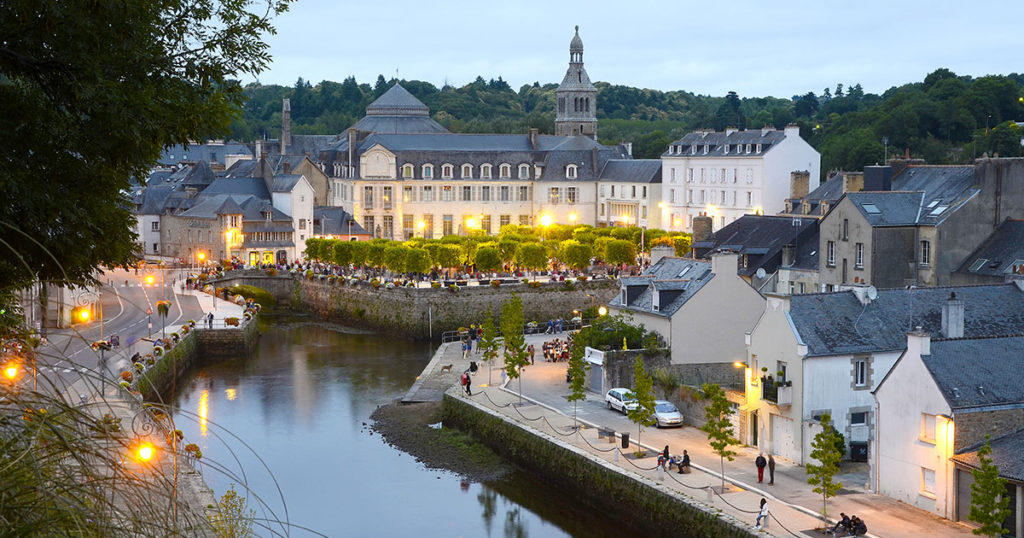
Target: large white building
[(729, 174)]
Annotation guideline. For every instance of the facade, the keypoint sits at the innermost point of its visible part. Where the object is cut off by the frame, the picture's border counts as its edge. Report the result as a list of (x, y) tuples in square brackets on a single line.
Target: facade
[(1000, 255), (576, 113), (935, 408), (728, 174), (628, 194), (826, 352)]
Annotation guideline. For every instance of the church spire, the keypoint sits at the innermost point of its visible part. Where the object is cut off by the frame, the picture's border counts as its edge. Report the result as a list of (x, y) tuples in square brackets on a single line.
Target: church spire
[(577, 97)]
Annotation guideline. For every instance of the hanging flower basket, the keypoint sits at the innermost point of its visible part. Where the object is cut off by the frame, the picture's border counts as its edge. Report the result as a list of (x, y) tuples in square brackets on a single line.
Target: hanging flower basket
[(495, 283), (191, 323), (101, 344), (239, 300), (124, 384), (246, 316), (149, 359), (163, 308), (138, 367), (127, 376), (435, 285), (231, 321), (271, 272), (192, 450), (175, 337), (158, 351)]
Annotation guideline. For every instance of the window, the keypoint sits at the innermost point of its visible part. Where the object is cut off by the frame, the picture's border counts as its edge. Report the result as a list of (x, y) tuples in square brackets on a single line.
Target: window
[(503, 193), (524, 171), (553, 195), (407, 227), (446, 225), (705, 149), (672, 196), (428, 193), (485, 193), (758, 149), (830, 259), (447, 171), (524, 220), (858, 261), (859, 418), (748, 148), (613, 191), (485, 171), (368, 224), (693, 150), (428, 226), (702, 175), (467, 171), (689, 175), (802, 288), (633, 192), (367, 197), (407, 171), (428, 171), (485, 224), (408, 194), (926, 252), (673, 180), (572, 195), (703, 198), (723, 197), (927, 481), (644, 191), (524, 193), (505, 171), (846, 229), (570, 171), (447, 195), (504, 220), (302, 224), (689, 196), (155, 226), (928, 428), (860, 372), (643, 212), (389, 226), (387, 197), (467, 193)]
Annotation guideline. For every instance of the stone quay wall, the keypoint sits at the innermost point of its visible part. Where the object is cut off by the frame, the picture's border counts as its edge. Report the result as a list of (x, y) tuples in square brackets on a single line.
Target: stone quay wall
[(600, 485)]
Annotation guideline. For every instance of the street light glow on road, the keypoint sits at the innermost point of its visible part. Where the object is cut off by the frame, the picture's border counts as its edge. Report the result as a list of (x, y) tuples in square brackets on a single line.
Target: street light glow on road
[(150, 279)]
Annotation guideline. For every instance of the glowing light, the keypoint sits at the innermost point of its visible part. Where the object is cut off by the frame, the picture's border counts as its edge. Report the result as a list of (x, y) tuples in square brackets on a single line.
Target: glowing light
[(572, 217), (11, 370), (739, 364), (470, 223), (662, 205), (202, 256), (83, 314), (231, 394), (150, 279), (203, 411), (602, 311), (145, 452), (545, 220), (421, 225)]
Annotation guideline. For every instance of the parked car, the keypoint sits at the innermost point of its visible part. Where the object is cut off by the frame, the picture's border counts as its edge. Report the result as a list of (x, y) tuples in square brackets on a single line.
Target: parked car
[(667, 414), (620, 400)]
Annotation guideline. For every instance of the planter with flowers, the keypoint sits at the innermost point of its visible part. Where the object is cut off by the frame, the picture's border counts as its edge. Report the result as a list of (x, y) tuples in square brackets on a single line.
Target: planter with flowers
[(435, 285), (232, 321), (158, 351), (495, 283), (127, 376)]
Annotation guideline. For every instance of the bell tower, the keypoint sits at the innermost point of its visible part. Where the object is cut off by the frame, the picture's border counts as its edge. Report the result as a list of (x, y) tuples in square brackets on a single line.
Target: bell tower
[(577, 97)]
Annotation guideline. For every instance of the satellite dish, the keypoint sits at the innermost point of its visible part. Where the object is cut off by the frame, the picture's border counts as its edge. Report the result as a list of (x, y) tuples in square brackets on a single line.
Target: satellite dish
[(760, 273), (872, 293)]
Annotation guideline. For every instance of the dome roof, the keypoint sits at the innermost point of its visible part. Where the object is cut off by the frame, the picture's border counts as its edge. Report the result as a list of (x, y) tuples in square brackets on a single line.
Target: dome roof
[(576, 45)]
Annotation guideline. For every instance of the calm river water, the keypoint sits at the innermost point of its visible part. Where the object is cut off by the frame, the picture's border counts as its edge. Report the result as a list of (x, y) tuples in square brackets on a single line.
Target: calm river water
[(302, 404)]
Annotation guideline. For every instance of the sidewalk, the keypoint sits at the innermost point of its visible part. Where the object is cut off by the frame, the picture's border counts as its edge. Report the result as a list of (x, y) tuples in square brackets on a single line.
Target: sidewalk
[(790, 499)]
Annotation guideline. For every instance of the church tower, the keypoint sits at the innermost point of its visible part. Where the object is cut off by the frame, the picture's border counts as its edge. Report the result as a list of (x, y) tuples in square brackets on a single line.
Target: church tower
[(577, 97)]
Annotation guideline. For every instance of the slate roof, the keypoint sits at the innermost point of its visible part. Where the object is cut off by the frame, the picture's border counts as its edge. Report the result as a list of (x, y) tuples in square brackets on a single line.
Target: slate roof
[(760, 238), (632, 171), (397, 101), (837, 323), (921, 195), (337, 222), (285, 183), (997, 256), (309, 144), (888, 208), (1006, 455), (395, 111), (253, 186), (721, 144), (215, 152), (676, 279), (976, 372), (830, 191), (165, 190)]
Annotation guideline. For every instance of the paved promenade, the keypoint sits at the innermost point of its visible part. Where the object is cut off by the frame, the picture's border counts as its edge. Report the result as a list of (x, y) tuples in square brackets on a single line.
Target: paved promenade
[(794, 507)]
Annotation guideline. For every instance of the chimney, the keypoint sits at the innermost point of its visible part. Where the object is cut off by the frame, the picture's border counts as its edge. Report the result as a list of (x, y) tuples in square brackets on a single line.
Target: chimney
[(792, 130), (799, 184), (853, 181), (919, 343), (953, 317), (661, 251), (534, 138), (351, 150), (259, 148), (729, 130), (788, 251), (286, 125), (594, 159), (877, 178), (701, 227), (863, 294), (725, 263), (286, 167)]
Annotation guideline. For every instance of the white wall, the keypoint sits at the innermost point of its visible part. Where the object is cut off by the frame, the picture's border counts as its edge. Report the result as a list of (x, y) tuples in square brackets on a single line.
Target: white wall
[(790, 155)]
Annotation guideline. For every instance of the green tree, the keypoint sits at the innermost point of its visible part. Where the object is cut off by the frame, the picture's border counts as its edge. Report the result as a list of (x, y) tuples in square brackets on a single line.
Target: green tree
[(828, 455), (577, 383), (532, 256), (232, 520), (643, 390), (447, 256), (516, 356), (489, 342), (577, 255), (395, 256), (487, 259), (342, 254), (508, 248), (360, 252), (375, 252), (989, 502), (418, 260), (620, 251), (91, 93), (314, 249), (718, 424)]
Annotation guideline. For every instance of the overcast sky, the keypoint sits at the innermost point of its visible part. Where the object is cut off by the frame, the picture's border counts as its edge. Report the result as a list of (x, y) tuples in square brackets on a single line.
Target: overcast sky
[(754, 47)]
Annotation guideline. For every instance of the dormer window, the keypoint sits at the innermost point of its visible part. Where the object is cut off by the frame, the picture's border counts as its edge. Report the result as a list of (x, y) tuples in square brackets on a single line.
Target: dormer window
[(726, 149), (337, 169), (505, 171), (428, 171), (705, 149), (447, 171), (467, 171), (748, 148), (524, 171), (570, 171), (485, 171), (407, 171), (693, 150), (759, 148)]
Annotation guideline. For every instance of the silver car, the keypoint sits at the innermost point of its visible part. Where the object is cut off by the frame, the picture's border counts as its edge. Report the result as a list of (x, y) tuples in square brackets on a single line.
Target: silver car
[(620, 400), (667, 414)]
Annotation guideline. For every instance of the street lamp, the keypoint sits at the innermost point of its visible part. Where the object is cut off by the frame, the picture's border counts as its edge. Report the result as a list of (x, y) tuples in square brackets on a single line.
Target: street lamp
[(545, 220), (602, 311), (11, 370), (423, 228), (572, 218)]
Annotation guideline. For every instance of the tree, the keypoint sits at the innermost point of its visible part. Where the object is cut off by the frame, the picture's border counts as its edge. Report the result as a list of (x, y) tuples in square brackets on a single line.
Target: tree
[(487, 259), (395, 256), (718, 425), (989, 502), (447, 256), (342, 253), (91, 105), (314, 249), (516, 356), (532, 256), (577, 255), (417, 260), (375, 252), (489, 342), (360, 251), (577, 380), (828, 455), (643, 390), (620, 251)]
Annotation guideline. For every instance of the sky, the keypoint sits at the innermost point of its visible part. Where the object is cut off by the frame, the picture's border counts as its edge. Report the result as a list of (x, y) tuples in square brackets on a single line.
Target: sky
[(756, 48)]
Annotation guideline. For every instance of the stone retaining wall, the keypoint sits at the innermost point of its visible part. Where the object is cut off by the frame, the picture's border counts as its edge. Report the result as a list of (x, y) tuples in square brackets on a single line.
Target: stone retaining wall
[(602, 486)]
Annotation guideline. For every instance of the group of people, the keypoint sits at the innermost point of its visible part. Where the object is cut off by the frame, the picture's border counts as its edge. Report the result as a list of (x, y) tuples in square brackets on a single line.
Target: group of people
[(761, 463), (556, 350), (849, 526), (666, 461)]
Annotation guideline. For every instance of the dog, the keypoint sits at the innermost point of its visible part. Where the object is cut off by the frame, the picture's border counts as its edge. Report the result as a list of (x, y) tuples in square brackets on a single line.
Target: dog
[(446, 368)]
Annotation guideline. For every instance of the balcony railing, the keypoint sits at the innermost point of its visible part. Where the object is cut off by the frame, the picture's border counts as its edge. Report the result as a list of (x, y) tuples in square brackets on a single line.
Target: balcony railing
[(777, 392)]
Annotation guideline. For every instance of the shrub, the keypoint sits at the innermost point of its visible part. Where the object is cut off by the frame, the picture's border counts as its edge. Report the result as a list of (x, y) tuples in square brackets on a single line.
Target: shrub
[(375, 283), (259, 295), (271, 272), (526, 281), (495, 283), (435, 285), (232, 321), (568, 285), (534, 284), (582, 278), (453, 288)]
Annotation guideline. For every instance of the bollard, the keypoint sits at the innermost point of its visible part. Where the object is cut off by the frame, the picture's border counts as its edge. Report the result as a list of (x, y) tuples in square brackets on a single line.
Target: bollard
[(710, 495), (616, 454), (765, 521), (661, 476)]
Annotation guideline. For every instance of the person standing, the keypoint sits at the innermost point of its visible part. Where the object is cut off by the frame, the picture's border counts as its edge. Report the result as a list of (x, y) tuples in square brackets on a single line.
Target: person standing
[(761, 464), (468, 382), (763, 514), (531, 350), (771, 470)]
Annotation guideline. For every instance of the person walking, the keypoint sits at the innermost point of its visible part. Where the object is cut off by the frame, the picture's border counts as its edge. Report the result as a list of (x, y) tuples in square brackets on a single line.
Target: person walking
[(761, 464), (531, 350), (763, 514), (468, 382), (771, 470)]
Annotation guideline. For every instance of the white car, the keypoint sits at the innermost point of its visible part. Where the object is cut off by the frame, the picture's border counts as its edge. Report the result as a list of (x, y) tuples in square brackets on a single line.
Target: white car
[(620, 400), (667, 414)]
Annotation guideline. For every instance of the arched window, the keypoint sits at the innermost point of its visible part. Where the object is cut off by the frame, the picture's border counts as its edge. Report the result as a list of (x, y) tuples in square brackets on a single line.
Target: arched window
[(570, 171), (505, 171), (428, 171), (407, 171), (467, 171), (524, 171), (447, 171), (485, 171)]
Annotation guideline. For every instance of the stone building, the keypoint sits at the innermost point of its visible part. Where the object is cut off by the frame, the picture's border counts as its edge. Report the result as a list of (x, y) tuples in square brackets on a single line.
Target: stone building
[(576, 97)]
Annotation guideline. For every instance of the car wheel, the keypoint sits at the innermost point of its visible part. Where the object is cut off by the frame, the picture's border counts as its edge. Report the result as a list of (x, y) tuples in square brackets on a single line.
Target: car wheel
[(609, 404)]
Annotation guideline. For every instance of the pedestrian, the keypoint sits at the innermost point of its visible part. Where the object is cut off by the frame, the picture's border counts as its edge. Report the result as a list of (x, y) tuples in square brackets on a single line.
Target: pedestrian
[(684, 465), (663, 458), (531, 350), (771, 470), (467, 382), (210, 318), (763, 514), (761, 464)]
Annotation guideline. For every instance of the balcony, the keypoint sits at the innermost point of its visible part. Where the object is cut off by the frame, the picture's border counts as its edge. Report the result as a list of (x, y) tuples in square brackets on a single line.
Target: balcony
[(778, 392)]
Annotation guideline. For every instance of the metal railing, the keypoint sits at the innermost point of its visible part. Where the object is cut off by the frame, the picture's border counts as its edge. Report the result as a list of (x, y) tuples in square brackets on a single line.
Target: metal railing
[(539, 328)]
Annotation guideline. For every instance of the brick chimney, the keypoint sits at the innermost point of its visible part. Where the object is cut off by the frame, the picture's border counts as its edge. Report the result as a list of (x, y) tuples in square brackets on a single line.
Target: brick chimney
[(853, 181), (953, 317), (534, 138), (788, 254), (799, 184), (701, 227)]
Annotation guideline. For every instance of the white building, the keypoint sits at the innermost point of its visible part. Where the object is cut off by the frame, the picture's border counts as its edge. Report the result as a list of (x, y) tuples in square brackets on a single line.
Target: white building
[(727, 175)]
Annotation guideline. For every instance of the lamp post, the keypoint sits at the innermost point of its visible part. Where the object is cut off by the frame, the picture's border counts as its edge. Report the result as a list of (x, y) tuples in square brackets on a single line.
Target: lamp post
[(149, 316)]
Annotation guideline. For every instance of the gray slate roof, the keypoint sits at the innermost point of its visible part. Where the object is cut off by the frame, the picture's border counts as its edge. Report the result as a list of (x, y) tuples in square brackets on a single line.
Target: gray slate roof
[(1006, 455), (760, 238), (676, 279), (721, 144), (397, 101), (974, 372), (253, 186), (285, 183), (215, 152), (837, 324), (632, 171), (830, 191), (921, 195), (333, 220), (893, 208), (395, 111), (999, 253)]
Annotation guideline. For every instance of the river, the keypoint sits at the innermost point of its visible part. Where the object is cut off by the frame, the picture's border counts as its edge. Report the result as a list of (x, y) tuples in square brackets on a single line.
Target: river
[(295, 417)]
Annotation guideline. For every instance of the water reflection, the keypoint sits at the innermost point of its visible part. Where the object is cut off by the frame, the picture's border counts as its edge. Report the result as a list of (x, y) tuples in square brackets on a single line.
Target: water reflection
[(204, 410)]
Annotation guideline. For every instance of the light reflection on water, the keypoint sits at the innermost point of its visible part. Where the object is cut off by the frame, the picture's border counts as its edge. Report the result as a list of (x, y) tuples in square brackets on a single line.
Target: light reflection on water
[(302, 403)]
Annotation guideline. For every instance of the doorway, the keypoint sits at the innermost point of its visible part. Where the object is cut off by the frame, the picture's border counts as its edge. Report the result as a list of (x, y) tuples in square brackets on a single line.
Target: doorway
[(753, 429)]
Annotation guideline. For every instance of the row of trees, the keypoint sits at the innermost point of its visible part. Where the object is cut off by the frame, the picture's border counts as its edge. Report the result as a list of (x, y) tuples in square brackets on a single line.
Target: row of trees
[(520, 246)]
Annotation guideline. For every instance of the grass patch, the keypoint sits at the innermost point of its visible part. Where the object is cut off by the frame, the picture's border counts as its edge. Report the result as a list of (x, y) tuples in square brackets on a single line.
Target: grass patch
[(260, 295)]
